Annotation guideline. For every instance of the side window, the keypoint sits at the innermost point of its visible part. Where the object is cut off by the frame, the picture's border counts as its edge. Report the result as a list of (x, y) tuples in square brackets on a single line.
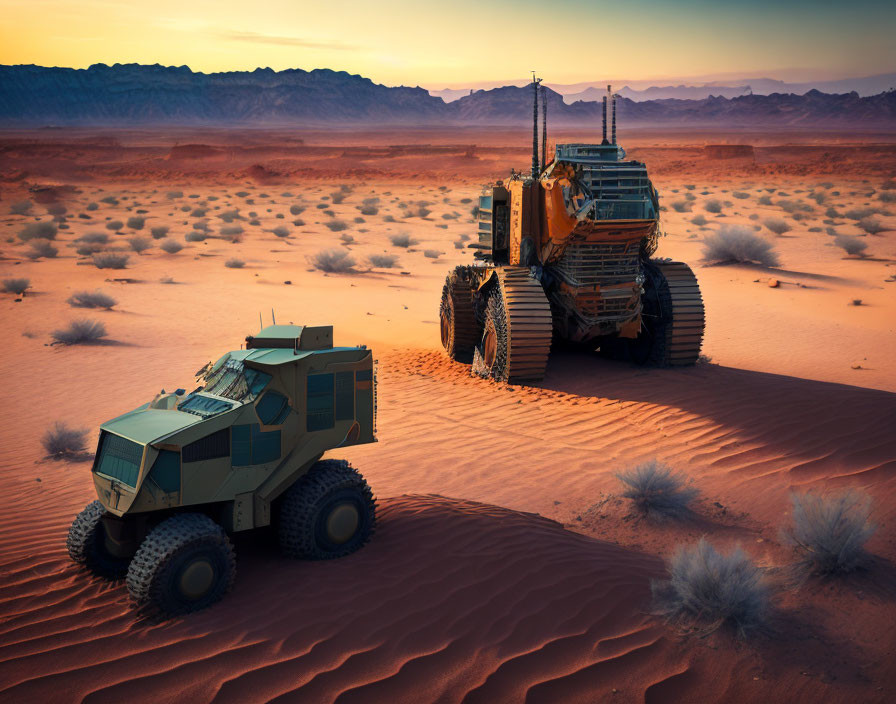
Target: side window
[(320, 402), (251, 446), (165, 471), (272, 408), (208, 448)]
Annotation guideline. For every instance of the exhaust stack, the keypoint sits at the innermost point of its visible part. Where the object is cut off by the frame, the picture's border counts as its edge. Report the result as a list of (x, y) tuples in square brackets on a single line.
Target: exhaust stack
[(613, 140), (544, 127), (605, 122), (535, 82)]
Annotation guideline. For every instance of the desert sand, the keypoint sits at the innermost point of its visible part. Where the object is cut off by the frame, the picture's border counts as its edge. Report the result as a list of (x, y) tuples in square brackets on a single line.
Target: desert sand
[(505, 567)]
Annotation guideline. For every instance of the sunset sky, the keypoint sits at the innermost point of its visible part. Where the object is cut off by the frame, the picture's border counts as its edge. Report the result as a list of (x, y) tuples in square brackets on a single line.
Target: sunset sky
[(464, 42)]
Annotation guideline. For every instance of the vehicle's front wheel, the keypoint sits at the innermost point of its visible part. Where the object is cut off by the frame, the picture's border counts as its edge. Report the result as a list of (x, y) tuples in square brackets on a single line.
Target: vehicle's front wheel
[(329, 512), (89, 545), (186, 563)]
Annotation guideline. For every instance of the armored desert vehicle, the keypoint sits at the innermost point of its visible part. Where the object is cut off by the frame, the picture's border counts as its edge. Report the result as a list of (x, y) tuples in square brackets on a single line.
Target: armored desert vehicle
[(243, 450), (565, 254)]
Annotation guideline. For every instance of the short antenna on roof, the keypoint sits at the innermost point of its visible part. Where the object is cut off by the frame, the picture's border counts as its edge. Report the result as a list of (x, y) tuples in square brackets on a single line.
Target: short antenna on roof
[(273, 320), (260, 324)]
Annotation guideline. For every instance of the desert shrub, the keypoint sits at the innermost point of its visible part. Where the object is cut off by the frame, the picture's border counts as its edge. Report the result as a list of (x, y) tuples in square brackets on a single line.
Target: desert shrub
[(713, 589), (136, 222), (281, 231), (93, 206), (346, 238), (111, 200), (38, 230), (110, 260), (201, 226), (832, 213), (140, 244), (114, 225), (337, 225), (198, 212), (87, 249), (16, 286), (389, 218), (61, 441), (173, 195), (80, 332), (859, 213), (234, 263), (871, 226), (330, 213), (851, 245), (333, 261), (832, 231), (241, 194), (712, 205), (819, 197), (829, 533), (171, 246), (94, 238), (402, 239), (337, 197), (230, 215), (232, 230), (369, 210), (776, 225), (459, 244), (679, 206), (383, 261), (159, 232), (195, 236), (765, 200), (735, 243), (887, 196), (740, 195), (418, 210), (431, 253), (42, 249), (20, 207), (699, 220), (296, 209), (88, 299), (655, 489)]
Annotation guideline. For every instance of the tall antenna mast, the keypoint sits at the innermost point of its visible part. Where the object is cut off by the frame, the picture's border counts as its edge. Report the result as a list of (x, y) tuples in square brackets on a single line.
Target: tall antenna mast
[(535, 82), (614, 118), (544, 127), (605, 117)]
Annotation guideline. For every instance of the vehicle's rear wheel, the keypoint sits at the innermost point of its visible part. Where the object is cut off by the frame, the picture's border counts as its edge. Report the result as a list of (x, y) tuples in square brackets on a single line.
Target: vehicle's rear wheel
[(185, 564), (457, 320), (329, 512), (89, 545)]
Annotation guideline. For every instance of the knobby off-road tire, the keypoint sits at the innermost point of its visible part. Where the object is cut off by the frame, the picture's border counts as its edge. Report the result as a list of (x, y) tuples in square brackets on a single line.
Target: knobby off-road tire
[(186, 563), (457, 319), (673, 318), (516, 339), (329, 512), (86, 543)]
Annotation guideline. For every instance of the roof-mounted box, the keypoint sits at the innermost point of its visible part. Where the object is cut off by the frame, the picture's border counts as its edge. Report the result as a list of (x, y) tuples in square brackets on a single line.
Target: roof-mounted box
[(298, 337)]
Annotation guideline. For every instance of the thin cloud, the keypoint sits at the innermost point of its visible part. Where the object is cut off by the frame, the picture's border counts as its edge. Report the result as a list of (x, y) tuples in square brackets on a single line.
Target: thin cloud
[(256, 38)]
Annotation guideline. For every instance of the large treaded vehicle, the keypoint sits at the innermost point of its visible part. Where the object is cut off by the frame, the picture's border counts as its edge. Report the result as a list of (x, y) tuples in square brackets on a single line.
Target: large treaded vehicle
[(566, 253), (175, 477)]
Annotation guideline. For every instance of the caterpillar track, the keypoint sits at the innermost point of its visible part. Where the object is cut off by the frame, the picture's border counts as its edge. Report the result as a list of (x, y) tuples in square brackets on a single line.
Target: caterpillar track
[(683, 304)]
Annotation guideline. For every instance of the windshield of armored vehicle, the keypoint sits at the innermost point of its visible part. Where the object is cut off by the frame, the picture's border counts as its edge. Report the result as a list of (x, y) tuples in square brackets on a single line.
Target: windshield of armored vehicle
[(234, 381)]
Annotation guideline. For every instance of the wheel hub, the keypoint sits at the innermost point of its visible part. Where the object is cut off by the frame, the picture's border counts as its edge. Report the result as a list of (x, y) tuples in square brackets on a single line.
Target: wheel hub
[(196, 579), (342, 523)]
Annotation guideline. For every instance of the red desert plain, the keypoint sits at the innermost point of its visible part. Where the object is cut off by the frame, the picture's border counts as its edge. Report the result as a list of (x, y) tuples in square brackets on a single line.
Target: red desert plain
[(506, 565)]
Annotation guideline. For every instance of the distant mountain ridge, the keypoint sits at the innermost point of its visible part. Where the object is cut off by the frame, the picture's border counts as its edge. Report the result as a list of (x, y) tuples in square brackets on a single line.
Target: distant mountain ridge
[(134, 94)]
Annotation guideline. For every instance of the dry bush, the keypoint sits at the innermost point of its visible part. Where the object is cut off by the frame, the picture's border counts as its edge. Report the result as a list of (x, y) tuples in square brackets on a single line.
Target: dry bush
[(346, 238), (80, 332), (229, 216), (851, 245), (383, 261), (871, 226), (159, 232), (136, 222), (713, 589), (62, 442), (369, 210), (656, 490), (195, 236), (740, 195), (859, 213), (110, 260), (765, 200), (140, 244), (198, 212), (234, 263), (333, 261), (887, 196), (403, 239), (41, 249), (38, 230), (679, 206), (776, 225), (792, 206), (94, 238), (173, 195), (738, 244), (171, 246), (699, 220), (829, 533), (281, 231), (16, 286), (713, 205), (296, 209), (114, 225), (819, 197), (337, 197), (337, 225), (111, 200), (21, 207), (431, 253), (88, 299)]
